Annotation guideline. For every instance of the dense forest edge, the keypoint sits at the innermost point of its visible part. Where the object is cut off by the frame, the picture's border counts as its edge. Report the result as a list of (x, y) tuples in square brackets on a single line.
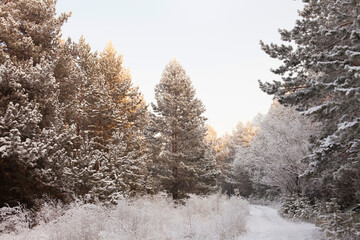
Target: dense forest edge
[(75, 133)]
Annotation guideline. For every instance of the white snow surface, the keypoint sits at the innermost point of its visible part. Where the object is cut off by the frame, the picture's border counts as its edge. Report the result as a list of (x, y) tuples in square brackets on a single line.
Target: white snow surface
[(264, 223), (148, 218), (156, 218)]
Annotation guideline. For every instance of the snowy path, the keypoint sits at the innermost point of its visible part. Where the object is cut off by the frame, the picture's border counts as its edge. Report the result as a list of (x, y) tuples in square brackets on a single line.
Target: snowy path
[(264, 223)]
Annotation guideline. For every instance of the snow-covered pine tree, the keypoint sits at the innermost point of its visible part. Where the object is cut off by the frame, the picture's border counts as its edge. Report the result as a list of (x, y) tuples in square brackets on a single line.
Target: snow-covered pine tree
[(84, 165), (128, 169), (101, 112), (128, 100), (108, 106), (320, 76), (32, 115), (71, 77), (155, 169), (79, 97), (29, 30), (33, 138), (185, 158)]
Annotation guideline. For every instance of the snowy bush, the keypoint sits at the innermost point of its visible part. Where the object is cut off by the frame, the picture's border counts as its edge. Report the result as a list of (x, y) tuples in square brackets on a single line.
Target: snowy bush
[(334, 223), (156, 217), (14, 219), (339, 225), (295, 206)]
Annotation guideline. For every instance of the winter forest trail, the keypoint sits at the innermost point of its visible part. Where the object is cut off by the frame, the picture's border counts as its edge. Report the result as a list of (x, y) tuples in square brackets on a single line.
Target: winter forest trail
[(264, 223)]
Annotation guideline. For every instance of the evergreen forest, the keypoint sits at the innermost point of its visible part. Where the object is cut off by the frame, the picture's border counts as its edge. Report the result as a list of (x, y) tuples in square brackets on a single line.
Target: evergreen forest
[(77, 136)]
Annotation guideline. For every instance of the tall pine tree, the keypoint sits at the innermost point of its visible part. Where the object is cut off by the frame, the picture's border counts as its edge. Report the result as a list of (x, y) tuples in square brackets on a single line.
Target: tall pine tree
[(109, 120), (32, 133), (185, 158), (320, 76)]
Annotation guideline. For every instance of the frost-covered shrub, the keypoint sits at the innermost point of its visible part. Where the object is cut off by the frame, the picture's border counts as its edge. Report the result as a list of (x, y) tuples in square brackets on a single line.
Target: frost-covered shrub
[(150, 217), (339, 225), (216, 217), (333, 222), (14, 219), (48, 210), (295, 206)]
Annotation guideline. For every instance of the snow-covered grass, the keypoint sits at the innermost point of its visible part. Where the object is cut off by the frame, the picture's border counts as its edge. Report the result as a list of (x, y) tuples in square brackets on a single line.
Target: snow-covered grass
[(156, 217)]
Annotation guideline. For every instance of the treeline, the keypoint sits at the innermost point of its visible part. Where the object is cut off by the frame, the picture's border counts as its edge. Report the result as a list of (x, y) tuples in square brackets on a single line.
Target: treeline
[(68, 115), (72, 125)]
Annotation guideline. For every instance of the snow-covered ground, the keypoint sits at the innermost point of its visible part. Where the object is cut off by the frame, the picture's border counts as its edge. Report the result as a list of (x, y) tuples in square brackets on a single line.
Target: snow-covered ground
[(154, 218), (147, 218), (264, 223)]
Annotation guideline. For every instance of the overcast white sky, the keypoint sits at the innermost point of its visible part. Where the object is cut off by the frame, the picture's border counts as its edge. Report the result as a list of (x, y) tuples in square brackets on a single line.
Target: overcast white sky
[(216, 41)]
